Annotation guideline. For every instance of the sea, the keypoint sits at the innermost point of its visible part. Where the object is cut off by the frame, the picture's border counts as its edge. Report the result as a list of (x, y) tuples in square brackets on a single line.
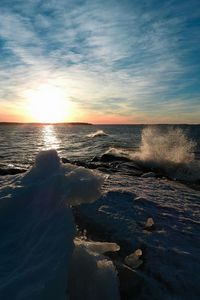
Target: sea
[(136, 187)]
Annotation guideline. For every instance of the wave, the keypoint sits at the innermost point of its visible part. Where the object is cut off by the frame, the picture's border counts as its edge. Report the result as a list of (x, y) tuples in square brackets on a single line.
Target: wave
[(37, 227), (168, 151), (97, 133), (113, 154)]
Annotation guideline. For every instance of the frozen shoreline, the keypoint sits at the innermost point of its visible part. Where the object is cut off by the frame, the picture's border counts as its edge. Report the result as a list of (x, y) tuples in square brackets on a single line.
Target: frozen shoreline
[(171, 268), (37, 232), (36, 214)]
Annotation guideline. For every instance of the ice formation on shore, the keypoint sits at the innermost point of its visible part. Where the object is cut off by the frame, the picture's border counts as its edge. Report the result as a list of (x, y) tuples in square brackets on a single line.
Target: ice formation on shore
[(37, 229), (92, 276)]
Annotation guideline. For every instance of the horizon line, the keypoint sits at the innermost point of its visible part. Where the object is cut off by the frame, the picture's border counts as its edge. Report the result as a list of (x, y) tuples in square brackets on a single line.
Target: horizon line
[(91, 124)]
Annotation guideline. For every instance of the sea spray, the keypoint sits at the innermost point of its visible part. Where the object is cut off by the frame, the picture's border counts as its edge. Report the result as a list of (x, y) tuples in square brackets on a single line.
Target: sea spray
[(168, 151), (171, 145), (98, 133)]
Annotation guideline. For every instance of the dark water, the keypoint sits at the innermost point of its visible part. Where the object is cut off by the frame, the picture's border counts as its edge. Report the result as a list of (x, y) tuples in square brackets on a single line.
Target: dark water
[(20, 143)]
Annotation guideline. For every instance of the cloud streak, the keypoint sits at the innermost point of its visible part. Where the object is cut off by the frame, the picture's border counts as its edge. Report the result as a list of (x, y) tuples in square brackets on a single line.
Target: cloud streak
[(120, 58)]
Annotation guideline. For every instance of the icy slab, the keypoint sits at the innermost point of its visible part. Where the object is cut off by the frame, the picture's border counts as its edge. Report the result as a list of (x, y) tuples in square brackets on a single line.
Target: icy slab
[(133, 260), (92, 275), (171, 260), (37, 227), (149, 224), (98, 247)]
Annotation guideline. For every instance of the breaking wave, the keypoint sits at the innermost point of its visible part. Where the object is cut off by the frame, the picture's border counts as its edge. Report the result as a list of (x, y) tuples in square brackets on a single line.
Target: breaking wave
[(167, 151), (171, 145), (170, 152), (97, 133)]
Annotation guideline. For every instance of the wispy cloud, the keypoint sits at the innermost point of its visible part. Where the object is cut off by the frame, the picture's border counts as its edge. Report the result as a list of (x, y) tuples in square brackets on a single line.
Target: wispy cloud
[(122, 58)]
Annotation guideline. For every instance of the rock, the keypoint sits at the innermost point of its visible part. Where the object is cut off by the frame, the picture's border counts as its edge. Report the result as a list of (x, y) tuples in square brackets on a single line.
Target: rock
[(149, 175), (131, 281), (65, 160), (11, 171), (95, 159), (149, 225), (106, 157)]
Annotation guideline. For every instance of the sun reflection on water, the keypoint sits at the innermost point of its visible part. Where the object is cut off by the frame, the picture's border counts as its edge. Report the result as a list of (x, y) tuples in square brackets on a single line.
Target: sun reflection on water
[(50, 139)]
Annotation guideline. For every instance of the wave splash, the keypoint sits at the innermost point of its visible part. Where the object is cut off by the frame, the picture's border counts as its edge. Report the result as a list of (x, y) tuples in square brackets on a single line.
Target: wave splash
[(171, 145), (97, 133), (169, 151)]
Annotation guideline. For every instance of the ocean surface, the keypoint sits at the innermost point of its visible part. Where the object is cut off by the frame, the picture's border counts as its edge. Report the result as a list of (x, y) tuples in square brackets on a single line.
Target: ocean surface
[(130, 190), (20, 144)]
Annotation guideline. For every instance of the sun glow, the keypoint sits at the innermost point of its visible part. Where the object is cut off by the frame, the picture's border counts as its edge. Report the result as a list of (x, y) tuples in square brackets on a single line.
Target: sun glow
[(48, 104)]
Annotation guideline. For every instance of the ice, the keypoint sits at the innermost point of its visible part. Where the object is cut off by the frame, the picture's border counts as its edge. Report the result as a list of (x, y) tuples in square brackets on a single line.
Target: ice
[(149, 225), (133, 260), (170, 252), (93, 276), (99, 247), (37, 227)]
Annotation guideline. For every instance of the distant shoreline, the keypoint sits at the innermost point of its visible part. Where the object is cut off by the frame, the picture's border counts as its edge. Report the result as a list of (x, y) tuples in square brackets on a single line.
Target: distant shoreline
[(39, 124), (91, 124)]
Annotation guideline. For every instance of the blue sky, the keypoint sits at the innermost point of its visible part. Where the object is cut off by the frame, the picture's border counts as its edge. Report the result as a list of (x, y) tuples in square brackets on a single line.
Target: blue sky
[(116, 61)]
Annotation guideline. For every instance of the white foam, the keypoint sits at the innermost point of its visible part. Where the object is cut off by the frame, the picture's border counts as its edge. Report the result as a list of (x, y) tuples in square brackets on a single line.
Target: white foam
[(170, 152), (171, 145), (97, 133)]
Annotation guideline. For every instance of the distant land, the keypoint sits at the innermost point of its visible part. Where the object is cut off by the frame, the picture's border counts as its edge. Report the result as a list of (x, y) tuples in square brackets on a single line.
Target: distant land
[(36, 123), (90, 124)]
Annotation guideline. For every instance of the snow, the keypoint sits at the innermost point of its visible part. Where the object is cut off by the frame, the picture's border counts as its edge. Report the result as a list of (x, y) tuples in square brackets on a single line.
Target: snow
[(92, 275), (40, 260), (37, 229), (170, 252)]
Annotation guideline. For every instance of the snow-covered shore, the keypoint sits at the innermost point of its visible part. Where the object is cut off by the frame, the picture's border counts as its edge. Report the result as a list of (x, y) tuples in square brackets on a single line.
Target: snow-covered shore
[(145, 260), (37, 232), (171, 260)]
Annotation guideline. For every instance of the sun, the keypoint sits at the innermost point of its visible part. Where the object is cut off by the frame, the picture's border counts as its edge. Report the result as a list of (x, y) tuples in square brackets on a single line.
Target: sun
[(48, 104)]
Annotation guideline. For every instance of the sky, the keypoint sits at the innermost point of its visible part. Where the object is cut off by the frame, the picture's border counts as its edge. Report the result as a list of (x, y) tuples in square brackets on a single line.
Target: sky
[(100, 61)]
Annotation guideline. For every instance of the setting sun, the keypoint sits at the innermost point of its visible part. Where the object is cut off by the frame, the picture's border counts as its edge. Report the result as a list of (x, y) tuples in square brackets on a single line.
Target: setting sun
[(48, 104)]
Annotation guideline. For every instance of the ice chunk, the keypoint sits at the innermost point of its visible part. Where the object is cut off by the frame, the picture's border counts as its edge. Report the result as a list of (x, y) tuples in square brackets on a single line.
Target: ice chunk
[(82, 185), (149, 225), (133, 260), (37, 228), (99, 247), (92, 276), (47, 163)]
